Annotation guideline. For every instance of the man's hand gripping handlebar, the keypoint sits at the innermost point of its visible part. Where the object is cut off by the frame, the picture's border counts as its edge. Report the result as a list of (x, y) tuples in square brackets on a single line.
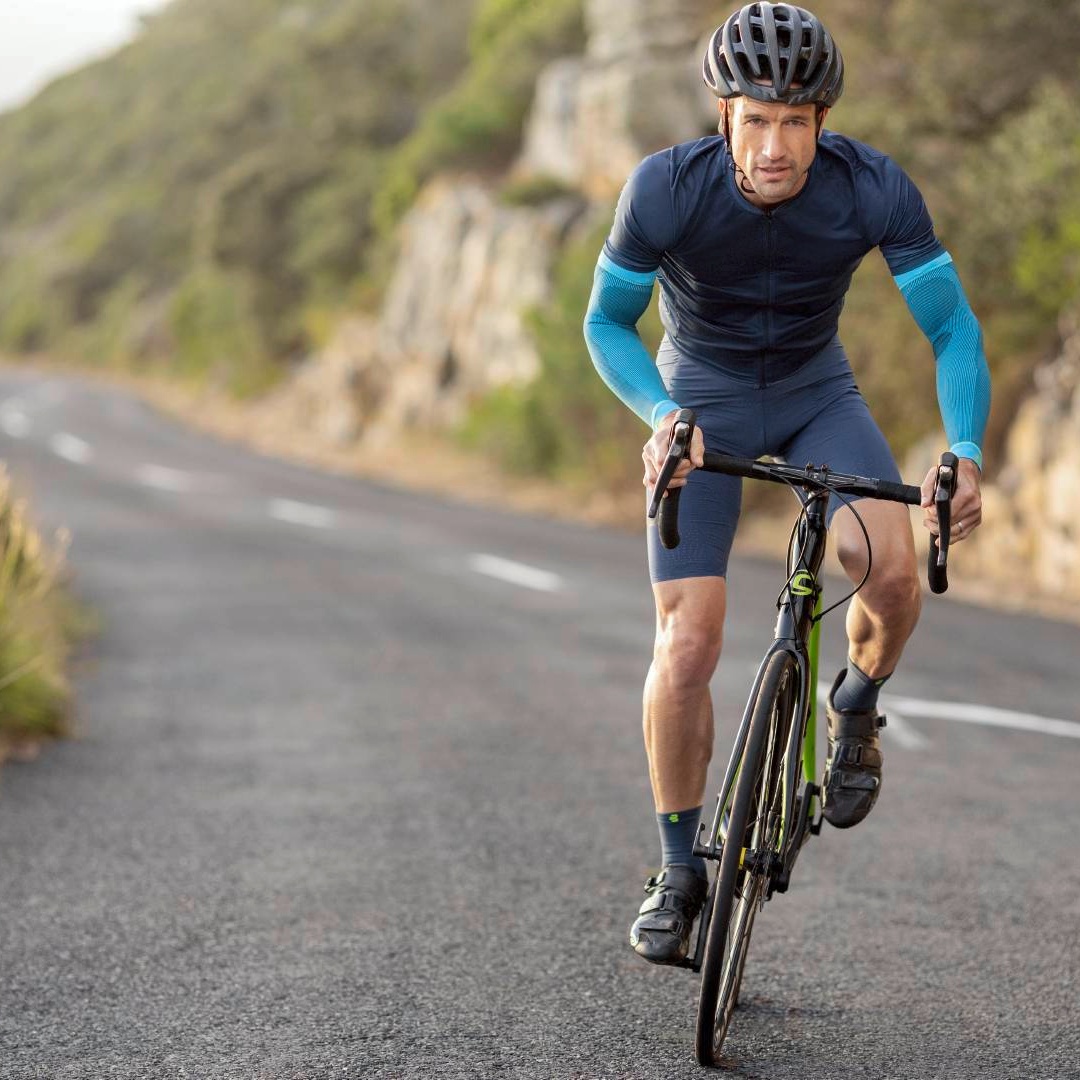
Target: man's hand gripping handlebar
[(944, 489), (682, 433)]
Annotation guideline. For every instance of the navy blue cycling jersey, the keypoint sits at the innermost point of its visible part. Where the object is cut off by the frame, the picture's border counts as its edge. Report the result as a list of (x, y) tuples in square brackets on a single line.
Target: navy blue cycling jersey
[(758, 293), (754, 295)]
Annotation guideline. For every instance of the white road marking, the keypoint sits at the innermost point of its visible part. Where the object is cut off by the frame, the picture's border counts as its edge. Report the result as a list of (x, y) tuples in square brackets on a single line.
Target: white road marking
[(164, 478), (897, 729), (15, 424), (70, 448), (529, 577), (298, 513), (984, 714)]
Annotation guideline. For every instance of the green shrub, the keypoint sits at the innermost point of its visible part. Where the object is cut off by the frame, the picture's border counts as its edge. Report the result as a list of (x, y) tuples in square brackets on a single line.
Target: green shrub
[(534, 191), (478, 124), (216, 331), (566, 424), (30, 314)]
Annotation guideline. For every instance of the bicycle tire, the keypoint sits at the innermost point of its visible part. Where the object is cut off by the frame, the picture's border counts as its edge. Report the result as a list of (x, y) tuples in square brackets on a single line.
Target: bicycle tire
[(729, 926)]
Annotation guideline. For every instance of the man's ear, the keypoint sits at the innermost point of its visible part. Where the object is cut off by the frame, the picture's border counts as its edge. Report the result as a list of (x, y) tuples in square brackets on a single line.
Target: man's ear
[(724, 127), (822, 113)]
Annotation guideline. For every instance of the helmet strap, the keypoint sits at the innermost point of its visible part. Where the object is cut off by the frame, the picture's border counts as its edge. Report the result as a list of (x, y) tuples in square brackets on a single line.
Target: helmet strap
[(742, 180)]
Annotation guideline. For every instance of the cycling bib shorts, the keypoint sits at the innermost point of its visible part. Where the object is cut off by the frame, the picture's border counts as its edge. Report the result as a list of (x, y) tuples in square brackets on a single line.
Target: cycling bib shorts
[(816, 415)]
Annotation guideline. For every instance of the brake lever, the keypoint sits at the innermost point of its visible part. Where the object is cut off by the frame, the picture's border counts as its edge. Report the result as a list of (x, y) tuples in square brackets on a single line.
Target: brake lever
[(678, 447), (945, 488)]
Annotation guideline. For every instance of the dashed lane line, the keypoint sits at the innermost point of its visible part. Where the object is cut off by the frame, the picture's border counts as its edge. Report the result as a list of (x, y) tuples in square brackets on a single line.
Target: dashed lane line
[(163, 478), (70, 448), (14, 423), (985, 714), (298, 513), (528, 577)]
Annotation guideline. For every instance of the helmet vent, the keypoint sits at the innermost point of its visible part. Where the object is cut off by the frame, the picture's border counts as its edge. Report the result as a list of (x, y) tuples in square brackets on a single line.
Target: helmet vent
[(774, 53)]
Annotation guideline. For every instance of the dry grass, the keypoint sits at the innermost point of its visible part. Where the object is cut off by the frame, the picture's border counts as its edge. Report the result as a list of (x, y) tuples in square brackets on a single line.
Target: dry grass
[(37, 622)]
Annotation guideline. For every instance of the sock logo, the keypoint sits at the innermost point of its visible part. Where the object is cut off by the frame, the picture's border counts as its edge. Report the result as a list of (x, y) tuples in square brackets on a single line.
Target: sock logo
[(673, 818)]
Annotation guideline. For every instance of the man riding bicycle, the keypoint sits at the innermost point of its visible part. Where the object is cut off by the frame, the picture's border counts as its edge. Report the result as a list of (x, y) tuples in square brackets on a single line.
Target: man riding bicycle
[(754, 235)]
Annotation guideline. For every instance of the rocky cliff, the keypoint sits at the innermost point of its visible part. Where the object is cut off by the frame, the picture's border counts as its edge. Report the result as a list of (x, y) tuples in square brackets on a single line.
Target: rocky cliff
[(469, 266), (1031, 533)]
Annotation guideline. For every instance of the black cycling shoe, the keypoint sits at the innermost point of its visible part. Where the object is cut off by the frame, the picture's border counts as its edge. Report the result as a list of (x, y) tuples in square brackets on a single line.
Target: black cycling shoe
[(853, 766), (661, 932)]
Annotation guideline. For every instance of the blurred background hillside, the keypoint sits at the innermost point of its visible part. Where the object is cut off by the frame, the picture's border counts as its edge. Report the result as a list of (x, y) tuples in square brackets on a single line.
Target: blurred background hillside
[(383, 215)]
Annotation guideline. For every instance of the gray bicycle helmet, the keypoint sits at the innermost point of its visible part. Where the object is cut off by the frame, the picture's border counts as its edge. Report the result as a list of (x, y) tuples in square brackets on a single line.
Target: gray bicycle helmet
[(782, 44)]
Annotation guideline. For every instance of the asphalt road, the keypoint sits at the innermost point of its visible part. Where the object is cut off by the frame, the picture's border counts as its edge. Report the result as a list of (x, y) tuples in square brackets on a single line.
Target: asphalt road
[(359, 791)]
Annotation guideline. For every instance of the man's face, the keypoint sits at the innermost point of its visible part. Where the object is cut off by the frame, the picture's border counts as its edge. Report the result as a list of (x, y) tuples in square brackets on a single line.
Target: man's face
[(774, 145)]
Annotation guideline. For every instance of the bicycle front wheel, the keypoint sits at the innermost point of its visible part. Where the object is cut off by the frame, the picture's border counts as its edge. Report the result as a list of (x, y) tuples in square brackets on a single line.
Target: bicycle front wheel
[(753, 826)]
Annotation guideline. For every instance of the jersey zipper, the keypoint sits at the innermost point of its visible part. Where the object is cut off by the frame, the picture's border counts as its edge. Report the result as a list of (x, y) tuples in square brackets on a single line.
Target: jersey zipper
[(768, 293)]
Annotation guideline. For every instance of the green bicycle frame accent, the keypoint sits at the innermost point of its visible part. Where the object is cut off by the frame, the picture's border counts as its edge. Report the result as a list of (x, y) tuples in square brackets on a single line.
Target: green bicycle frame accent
[(810, 741)]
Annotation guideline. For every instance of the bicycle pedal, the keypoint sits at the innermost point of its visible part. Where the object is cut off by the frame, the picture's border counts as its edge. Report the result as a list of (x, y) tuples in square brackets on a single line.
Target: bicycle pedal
[(813, 791)]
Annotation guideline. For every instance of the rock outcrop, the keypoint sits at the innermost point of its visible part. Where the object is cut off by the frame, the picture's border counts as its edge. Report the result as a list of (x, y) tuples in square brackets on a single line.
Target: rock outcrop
[(453, 323), (1030, 531), (637, 89)]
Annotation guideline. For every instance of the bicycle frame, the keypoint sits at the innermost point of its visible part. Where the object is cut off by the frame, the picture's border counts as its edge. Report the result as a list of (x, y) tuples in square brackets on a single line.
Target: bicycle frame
[(797, 632)]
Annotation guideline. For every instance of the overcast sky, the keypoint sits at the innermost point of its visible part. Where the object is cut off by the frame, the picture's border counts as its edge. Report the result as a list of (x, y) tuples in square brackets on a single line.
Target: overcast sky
[(40, 39)]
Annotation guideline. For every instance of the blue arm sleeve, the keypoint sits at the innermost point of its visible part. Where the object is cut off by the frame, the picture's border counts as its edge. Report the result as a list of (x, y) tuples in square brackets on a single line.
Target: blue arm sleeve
[(619, 298), (936, 298)]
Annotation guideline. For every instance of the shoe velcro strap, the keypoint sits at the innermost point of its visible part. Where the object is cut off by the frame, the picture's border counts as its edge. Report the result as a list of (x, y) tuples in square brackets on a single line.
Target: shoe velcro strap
[(670, 922), (684, 878), (856, 753), (675, 887), (848, 780), (854, 725), (671, 900)]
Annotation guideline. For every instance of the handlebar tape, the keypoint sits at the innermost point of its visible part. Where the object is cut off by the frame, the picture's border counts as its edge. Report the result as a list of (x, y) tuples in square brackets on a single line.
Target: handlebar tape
[(904, 493), (732, 466), (667, 521)]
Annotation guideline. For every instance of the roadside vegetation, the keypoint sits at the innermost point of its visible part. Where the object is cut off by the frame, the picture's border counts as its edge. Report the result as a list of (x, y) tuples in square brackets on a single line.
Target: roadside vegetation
[(38, 622), (208, 199)]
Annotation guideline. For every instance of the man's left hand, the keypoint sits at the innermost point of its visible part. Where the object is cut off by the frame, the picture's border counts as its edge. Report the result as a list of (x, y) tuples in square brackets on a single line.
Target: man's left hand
[(966, 514)]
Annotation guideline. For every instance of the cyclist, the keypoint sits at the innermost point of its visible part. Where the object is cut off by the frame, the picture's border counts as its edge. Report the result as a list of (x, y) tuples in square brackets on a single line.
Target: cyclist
[(754, 235)]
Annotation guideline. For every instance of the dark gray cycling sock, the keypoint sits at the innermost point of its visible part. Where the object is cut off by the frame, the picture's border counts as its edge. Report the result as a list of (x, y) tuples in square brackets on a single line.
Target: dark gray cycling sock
[(677, 833), (858, 690)]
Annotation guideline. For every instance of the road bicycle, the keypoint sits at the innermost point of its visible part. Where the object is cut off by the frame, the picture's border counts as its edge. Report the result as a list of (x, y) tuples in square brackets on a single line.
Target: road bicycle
[(769, 802)]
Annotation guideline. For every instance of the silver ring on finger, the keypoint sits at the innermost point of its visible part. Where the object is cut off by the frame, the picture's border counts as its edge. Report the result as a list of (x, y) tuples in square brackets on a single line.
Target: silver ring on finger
[(959, 526)]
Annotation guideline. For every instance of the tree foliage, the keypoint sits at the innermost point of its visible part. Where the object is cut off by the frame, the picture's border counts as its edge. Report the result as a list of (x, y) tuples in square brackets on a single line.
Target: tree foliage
[(234, 145)]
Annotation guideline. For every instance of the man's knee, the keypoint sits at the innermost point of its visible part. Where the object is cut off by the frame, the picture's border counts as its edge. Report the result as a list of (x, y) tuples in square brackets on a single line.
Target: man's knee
[(689, 630), (893, 573), (687, 655), (893, 589)]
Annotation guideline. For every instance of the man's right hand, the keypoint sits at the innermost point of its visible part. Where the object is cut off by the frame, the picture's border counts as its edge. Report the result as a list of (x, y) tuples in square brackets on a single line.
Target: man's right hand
[(655, 451)]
